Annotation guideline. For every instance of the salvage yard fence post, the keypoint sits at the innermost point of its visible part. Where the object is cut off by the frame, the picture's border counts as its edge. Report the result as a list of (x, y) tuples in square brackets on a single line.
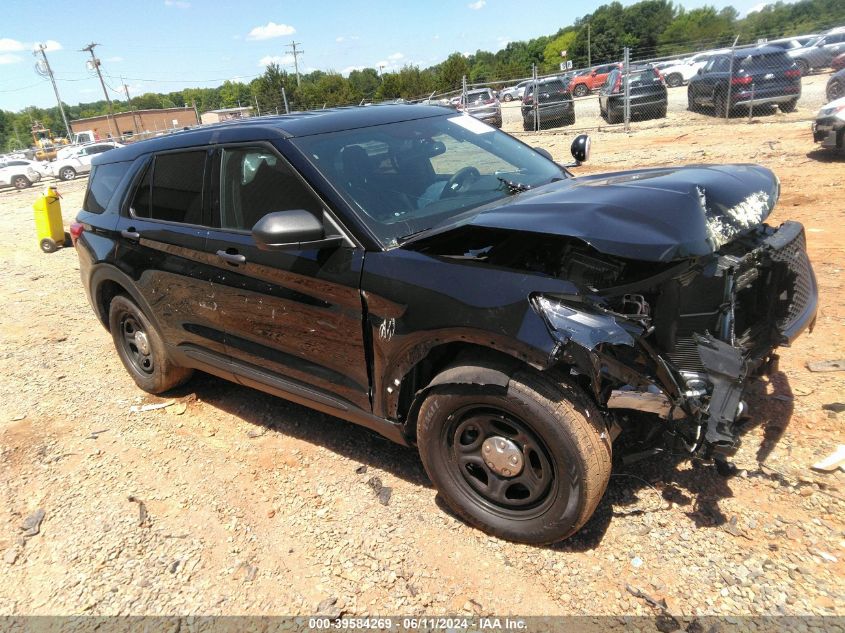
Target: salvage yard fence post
[(536, 103), (627, 85)]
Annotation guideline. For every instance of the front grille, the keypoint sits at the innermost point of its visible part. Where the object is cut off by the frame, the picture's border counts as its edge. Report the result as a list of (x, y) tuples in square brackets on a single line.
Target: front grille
[(798, 283)]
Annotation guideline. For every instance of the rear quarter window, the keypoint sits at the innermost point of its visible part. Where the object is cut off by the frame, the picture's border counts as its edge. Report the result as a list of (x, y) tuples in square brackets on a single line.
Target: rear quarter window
[(102, 184), (767, 60)]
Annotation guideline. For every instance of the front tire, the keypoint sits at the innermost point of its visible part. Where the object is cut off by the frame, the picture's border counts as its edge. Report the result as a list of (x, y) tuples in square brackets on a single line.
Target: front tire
[(21, 182), (674, 80), (528, 463), (141, 348), (581, 90), (508, 98), (803, 66), (835, 90), (67, 173)]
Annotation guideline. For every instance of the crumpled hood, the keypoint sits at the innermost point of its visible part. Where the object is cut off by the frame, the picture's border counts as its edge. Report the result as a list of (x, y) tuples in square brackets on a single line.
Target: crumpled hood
[(656, 215)]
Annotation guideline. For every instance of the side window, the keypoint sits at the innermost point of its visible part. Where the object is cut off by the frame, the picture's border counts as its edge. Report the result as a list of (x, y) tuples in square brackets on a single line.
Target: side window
[(255, 182), (102, 184), (171, 189), (708, 67)]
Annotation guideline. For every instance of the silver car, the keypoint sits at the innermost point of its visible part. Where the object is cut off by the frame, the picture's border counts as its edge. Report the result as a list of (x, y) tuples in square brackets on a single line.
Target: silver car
[(819, 52), (483, 104), (514, 92)]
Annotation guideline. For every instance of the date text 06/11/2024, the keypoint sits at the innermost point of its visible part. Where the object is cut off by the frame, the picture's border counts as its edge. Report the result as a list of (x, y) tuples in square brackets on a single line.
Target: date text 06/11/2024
[(422, 623)]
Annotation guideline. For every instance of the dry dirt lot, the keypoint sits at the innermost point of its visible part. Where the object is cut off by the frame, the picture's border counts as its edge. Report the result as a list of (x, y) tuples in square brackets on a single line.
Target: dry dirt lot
[(258, 506)]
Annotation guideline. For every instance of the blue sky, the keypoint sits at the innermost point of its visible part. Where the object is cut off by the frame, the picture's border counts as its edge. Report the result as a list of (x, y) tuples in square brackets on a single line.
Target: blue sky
[(167, 45)]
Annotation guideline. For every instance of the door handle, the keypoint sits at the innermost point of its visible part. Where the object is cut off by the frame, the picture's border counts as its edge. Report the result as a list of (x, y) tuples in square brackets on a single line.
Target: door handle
[(131, 234), (232, 258)]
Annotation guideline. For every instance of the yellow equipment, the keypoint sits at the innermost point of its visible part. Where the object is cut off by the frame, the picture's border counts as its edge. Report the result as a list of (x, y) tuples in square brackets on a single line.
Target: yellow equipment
[(48, 221)]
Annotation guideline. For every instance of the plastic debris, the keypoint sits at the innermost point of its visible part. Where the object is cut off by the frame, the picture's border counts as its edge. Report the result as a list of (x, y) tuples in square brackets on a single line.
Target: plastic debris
[(833, 461)]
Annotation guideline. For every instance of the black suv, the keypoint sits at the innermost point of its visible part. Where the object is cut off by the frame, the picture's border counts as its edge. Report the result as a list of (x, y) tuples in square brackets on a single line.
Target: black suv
[(647, 94), (750, 77), (547, 103), (424, 275)]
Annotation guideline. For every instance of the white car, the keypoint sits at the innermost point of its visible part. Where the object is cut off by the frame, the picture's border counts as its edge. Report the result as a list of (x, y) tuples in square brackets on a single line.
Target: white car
[(681, 72), (829, 126), (18, 173), (78, 161), (513, 92)]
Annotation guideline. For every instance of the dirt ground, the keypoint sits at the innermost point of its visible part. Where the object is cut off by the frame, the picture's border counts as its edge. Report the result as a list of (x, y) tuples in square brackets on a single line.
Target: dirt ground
[(257, 506)]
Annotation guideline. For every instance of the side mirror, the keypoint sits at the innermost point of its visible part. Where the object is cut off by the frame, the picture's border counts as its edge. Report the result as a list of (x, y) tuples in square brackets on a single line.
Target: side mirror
[(295, 229), (594, 73), (581, 149), (700, 71)]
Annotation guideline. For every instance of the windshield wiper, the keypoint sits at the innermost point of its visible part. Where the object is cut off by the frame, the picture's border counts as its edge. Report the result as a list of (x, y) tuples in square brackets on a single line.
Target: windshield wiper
[(405, 238), (513, 187)]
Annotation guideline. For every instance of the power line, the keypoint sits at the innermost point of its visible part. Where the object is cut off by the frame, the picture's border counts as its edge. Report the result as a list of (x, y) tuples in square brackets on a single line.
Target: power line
[(96, 63), (296, 55), (46, 70)]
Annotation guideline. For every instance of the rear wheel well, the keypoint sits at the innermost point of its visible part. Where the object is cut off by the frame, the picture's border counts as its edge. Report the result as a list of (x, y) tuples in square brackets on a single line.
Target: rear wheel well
[(107, 291), (438, 359)]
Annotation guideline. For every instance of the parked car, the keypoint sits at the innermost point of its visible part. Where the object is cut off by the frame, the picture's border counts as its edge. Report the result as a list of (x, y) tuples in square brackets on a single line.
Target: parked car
[(78, 160), (829, 126), (444, 284), (819, 53), (836, 86), (18, 173), (513, 92), (756, 76), (483, 104), (583, 84), (42, 167), (646, 90), (838, 62), (678, 72), (554, 105)]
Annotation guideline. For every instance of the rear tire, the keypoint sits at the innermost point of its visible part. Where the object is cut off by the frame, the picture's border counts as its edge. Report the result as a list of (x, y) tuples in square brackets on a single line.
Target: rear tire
[(552, 432), (141, 348), (720, 106), (835, 90), (788, 106), (508, 98), (21, 182), (614, 117), (674, 80), (581, 90), (67, 173), (692, 106), (803, 66)]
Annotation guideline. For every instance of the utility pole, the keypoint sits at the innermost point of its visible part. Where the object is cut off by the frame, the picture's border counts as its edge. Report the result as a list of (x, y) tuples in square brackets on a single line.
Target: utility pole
[(296, 54), (589, 52), (96, 63), (285, 99), (381, 68), (49, 73), (129, 101)]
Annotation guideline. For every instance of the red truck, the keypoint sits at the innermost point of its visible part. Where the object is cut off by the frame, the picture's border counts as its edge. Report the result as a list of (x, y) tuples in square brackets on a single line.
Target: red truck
[(584, 83)]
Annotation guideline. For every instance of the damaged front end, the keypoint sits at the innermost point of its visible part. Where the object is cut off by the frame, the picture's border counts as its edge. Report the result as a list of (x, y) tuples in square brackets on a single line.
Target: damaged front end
[(682, 344)]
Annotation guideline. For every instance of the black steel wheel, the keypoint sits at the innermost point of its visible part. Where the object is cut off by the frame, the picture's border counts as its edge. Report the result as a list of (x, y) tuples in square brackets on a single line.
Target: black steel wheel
[(141, 348), (528, 463)]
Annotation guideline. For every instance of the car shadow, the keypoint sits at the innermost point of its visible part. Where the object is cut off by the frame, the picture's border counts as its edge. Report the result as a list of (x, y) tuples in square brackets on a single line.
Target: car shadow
[(269, 413), (827, 155), (651, 485)]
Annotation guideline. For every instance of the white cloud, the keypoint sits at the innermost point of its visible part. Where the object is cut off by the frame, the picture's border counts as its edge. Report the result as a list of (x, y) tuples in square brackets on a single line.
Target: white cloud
[(179, 4), (478, 4), (8, 58), (269, 31), (345, 72), (281, 60), (8, 45), (396, 57), (52, 45)]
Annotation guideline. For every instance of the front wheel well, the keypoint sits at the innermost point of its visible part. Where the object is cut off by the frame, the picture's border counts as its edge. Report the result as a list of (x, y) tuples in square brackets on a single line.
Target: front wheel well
[(439, 359)]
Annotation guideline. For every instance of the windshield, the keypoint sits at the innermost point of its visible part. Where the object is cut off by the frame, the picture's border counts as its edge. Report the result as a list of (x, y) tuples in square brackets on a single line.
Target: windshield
[(411, 176)]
